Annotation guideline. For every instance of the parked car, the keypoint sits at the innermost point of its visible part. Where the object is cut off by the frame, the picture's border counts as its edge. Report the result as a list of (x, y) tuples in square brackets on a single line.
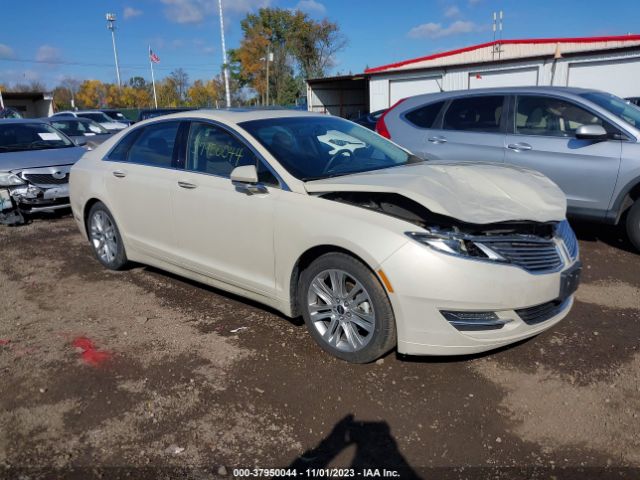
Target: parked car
[(9, 113), (116, 116), (373, 246), (370, 119), (157, 112), (586, 141), (96, 116), (81, 130), (35, 160)]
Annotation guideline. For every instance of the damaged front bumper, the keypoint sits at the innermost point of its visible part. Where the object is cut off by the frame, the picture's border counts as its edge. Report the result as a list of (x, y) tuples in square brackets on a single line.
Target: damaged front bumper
[(50, 193)]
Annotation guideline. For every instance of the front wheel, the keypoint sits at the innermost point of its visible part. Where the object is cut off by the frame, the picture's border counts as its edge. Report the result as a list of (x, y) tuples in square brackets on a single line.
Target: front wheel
[(346, 309), (105, 238), (633, 224)]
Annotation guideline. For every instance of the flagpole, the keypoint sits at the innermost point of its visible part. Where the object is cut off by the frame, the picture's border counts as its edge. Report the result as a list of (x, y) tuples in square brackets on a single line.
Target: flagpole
[(153, 80)]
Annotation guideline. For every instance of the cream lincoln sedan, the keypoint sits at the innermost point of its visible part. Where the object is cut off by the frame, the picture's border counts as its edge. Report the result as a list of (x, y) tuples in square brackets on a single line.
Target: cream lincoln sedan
[(316, 216)]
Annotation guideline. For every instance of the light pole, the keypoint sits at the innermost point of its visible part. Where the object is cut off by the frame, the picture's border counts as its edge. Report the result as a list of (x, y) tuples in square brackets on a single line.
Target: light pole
[(268, 59), (111, 20), (225, 67)]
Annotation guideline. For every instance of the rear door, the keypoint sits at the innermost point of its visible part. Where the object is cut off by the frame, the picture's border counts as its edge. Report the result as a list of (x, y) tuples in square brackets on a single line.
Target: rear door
[(543, 138), (140, 181), (472, 128)]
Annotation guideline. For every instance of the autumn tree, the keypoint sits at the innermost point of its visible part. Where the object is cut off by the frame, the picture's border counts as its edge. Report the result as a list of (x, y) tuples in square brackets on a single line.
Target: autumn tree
[(205, 94), (301, 48), (91, 94)]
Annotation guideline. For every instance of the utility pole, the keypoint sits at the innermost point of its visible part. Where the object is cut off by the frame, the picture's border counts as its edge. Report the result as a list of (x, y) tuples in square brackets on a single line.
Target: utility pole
[(225, 67), (111, 20), (267, 59)]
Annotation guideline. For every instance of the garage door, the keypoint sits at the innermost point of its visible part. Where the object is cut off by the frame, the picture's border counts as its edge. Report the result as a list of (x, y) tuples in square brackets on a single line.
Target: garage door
[(399, 89), (504, 78), (614, 76)]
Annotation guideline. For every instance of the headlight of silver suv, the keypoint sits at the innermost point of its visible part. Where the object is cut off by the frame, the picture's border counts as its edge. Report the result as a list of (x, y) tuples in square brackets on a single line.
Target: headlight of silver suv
[(10, 180), (455, 243)]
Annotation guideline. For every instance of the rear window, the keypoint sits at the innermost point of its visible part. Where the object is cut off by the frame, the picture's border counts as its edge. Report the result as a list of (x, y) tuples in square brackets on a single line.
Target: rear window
[(425, 116), (475, 114)]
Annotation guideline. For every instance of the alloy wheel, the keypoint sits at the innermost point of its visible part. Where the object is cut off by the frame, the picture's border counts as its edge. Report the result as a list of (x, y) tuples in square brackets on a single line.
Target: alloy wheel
[(341, 310), (103, 236)]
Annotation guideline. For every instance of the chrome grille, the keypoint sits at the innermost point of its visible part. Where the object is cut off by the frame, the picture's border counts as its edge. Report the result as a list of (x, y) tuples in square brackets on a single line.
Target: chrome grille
[(565, 233), (45, 179), (533, 255)]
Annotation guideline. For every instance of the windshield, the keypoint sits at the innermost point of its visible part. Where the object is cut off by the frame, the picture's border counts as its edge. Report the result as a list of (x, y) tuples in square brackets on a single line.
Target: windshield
[(79, 127), (622, 109), (96, 117), (312, 148), (17, 137)]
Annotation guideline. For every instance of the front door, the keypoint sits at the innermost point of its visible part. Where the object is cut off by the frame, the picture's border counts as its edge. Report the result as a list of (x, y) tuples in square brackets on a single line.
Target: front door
[(225, 231), (544, 140)]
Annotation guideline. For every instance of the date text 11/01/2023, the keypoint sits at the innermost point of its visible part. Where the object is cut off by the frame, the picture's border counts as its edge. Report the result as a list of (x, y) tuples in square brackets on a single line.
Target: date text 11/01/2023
[(316, 472)]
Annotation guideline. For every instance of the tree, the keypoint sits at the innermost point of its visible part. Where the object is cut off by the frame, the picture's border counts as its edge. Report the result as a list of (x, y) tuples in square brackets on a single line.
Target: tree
[(167, 91), (91, 94), (181, 80), (61, 98), (205, 94), (301, 47)]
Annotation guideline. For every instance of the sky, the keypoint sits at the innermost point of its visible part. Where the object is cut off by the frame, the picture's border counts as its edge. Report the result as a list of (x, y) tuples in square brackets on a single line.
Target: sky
[(46, 40)]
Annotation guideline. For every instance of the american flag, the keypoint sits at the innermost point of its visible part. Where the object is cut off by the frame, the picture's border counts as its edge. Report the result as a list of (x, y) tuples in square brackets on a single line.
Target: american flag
[(153, 57)]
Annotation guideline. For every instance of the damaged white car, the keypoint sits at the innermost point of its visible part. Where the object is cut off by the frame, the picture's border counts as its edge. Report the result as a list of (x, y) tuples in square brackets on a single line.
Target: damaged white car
[(35, 161), (374, 247)]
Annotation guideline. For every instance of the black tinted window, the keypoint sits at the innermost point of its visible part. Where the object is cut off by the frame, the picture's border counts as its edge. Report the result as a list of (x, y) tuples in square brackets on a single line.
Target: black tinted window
[(475, 114), (424, 116), (549, 116), (154, 145), (213, 150)]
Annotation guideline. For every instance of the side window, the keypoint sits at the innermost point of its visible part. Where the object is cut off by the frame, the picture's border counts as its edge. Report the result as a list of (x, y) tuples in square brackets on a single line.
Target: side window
[(475, 114), (425, 116), (120, 151), (213, 150), (548, 116), (154, 145)]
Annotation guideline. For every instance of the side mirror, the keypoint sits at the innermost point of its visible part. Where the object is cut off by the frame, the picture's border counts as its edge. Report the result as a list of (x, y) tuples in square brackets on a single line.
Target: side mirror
[(80, 142), (245, 174), (591, 132)]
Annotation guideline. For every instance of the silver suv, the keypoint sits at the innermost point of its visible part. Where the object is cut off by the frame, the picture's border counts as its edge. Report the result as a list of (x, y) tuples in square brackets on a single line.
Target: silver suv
[(586, 141)]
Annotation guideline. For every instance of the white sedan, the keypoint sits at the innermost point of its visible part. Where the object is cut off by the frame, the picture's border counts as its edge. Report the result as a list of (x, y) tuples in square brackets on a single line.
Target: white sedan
[(374, 247)]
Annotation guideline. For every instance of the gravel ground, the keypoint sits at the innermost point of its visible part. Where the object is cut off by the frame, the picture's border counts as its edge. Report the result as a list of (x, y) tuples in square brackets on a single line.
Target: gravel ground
[(141, 374)]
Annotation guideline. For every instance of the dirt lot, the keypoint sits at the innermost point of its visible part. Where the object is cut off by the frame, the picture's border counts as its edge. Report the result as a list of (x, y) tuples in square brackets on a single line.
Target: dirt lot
[(141, 373)]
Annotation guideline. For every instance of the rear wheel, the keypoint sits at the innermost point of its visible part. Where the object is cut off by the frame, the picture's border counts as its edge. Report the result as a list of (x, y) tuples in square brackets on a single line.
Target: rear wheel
[(105, 238), (633, 224), (346, 309)]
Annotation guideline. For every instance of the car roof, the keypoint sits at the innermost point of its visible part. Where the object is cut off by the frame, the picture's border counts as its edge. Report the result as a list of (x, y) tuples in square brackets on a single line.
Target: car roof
[(238, 115), (506, 91), (4, 121)]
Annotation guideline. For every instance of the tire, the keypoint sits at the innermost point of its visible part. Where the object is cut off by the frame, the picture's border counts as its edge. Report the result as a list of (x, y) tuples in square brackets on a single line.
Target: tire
[(104, 237), (352, 320), (633, 224)]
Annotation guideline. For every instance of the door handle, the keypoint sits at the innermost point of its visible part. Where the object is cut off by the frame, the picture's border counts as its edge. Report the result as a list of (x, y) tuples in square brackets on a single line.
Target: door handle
[(519, 147), (437, 139), (119, 173), (187, 185)]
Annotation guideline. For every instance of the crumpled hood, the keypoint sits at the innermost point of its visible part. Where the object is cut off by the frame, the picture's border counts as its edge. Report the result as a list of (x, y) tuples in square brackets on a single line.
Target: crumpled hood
[(477, 193), (10, 161)]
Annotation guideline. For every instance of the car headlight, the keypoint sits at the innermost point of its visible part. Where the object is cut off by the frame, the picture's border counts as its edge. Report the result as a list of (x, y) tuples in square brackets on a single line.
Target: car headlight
[(455, 243), (10, 180)]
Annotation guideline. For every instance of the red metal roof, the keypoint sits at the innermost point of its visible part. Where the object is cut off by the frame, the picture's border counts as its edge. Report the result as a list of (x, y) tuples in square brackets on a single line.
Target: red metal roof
[(616, 38)]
